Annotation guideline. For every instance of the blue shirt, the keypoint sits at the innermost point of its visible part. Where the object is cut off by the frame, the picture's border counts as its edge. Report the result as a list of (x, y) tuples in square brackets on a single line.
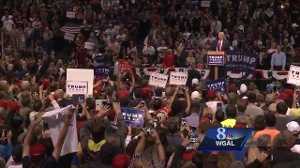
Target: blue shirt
[(278, 59)]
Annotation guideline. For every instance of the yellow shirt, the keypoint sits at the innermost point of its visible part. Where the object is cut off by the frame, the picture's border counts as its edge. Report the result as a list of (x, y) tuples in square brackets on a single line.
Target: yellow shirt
[(95, 147), (228, 123), (294, 112)]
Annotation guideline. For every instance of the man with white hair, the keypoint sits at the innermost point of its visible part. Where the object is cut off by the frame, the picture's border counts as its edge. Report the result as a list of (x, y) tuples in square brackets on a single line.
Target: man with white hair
[(220, 44)]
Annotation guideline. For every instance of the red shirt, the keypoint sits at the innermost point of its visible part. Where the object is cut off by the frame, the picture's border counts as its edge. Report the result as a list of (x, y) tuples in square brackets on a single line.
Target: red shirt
[(169, 60)]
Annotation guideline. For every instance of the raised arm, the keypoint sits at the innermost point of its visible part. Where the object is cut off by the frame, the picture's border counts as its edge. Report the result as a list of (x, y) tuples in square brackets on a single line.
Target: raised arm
[(132, 81), (141, 144), (85, 112), (188, 100), (173, 97), (160, 148), (28, 137)]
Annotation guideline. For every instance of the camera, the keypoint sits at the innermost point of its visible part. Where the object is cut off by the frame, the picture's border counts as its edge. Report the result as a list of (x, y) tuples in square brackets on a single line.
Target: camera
[(147, 130)]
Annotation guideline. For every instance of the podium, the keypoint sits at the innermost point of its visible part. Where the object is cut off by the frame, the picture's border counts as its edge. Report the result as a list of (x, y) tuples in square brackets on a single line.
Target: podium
[(216, 59)]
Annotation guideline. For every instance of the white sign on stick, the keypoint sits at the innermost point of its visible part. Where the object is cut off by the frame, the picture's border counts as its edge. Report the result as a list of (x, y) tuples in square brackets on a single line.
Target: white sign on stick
[(178, 78), (294, 75), (79, 76), (158, 80)]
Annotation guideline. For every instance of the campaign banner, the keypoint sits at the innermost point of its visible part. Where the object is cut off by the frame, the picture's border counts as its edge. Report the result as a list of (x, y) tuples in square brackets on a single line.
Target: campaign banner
[(294, 75), (124, 66), (225, 139), (216, 58), (70, 14), (240, 61), (76, 88), (158, 80), (102, 72), (216, 85), (82, 75), (178, 78), (133, 117)]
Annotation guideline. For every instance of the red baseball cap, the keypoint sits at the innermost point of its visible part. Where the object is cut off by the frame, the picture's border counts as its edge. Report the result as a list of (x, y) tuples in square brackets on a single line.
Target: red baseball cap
[(120, 161)]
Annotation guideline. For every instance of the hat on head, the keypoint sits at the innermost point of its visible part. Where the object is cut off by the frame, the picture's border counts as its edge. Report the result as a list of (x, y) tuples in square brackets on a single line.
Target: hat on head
[(243, 88), (293, 127), (195, 95), (120, 161), (195, 81)]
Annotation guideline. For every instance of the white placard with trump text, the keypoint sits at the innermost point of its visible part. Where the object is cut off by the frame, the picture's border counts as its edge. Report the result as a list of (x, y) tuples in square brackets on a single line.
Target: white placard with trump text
[(158, 80), (76, 88), (178, 78), (79, 76), (294, 75)]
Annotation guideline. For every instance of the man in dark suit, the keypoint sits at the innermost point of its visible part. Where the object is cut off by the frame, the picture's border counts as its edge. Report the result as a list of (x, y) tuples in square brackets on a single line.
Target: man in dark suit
[(220, 44)]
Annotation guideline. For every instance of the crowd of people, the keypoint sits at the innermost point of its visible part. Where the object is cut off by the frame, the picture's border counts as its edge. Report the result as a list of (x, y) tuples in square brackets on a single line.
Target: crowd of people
[(145, 33)]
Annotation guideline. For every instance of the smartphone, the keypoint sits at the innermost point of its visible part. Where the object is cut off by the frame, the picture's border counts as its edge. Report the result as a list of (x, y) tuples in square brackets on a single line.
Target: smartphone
[(219, 106), (99, 103)]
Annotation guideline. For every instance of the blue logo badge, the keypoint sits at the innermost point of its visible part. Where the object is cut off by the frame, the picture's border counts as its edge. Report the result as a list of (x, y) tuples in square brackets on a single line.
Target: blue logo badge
[(225, 139)]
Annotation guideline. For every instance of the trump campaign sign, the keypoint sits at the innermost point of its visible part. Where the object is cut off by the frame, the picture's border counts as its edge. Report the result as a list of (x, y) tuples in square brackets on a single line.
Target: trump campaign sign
[(133, 117), (215, 58), (294, 75), (80, 81), (76, 88), (178, 78), (216, 85), (158, 79)]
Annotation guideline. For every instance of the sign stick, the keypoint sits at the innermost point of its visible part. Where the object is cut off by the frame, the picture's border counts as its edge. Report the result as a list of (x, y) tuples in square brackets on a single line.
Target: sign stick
[(216, 69)]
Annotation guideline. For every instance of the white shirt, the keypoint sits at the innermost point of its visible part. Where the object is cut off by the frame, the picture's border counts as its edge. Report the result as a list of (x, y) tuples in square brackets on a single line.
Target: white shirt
[(278, 59), (8, 24)]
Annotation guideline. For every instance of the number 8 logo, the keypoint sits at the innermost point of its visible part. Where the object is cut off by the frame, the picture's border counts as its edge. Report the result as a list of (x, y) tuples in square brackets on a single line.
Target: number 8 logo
[(221, 133)]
